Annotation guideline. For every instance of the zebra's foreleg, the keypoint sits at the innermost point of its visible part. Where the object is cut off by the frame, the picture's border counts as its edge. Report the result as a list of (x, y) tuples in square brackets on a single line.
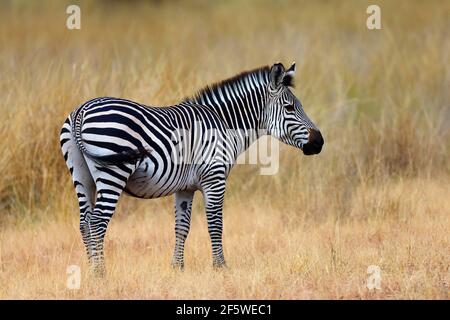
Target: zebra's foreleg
[(183, 206), (213, 194)]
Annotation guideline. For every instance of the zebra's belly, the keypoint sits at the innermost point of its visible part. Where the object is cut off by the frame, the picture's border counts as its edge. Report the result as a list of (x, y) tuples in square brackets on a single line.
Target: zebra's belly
[(152, 181)]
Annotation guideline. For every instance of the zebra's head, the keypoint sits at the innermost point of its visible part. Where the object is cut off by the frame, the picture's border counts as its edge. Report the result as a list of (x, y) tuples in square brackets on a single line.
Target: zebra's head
[(286, 119)]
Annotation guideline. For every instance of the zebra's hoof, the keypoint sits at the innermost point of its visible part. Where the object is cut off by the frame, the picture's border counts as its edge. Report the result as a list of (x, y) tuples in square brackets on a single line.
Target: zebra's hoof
[(98, 272), (178, 266), (220, 265)]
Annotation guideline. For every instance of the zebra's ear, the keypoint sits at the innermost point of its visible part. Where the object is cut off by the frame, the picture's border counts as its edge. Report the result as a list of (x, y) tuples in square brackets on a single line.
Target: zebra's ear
[(291, 70), (288, 79), (276, 75)]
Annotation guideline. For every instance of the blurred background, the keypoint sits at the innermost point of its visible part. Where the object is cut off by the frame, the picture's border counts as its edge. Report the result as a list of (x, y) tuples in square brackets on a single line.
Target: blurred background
[(378, 192)]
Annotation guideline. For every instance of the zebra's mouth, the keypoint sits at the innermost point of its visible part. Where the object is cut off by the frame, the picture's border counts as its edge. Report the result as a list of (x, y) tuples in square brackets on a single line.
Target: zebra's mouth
[(311, 148), (315, 143)]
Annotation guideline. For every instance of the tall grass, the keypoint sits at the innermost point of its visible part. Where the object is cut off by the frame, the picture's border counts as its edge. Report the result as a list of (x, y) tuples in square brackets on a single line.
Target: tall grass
[(379, 97)]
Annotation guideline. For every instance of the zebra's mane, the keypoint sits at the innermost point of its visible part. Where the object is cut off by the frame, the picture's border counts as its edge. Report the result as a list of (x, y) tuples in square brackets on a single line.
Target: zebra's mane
[(213, 88)]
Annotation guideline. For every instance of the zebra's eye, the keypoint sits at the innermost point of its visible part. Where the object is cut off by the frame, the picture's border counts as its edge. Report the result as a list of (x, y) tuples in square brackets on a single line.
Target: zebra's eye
[(290, 107)]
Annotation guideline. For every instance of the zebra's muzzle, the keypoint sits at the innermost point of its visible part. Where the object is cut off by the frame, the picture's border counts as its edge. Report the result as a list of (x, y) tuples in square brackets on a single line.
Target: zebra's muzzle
[(315, 143)]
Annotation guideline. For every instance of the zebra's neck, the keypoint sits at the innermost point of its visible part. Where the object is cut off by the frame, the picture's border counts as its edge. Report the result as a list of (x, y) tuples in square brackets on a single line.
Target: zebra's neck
[(239, 102)]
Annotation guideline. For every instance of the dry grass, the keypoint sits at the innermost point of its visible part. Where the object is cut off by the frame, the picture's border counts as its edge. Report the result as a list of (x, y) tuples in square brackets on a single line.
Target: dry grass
[(377, 194)]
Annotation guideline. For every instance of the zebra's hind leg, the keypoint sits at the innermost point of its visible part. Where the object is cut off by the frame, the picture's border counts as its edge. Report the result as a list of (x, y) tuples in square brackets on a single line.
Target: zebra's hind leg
[(110, 181), (183, 207), (82, 180), (85, 188)]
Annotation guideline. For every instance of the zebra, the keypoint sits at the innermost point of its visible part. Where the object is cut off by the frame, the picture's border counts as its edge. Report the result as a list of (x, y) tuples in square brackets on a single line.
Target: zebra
[(113, 146)]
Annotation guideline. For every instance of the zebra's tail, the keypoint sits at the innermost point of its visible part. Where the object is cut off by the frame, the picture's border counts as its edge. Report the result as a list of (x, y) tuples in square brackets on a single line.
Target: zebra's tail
[(129, 156), (126, 156)]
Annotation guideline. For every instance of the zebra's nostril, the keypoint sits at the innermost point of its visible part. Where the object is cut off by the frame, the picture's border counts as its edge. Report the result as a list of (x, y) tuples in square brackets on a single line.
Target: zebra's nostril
[(318, 142), (315, 138)]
